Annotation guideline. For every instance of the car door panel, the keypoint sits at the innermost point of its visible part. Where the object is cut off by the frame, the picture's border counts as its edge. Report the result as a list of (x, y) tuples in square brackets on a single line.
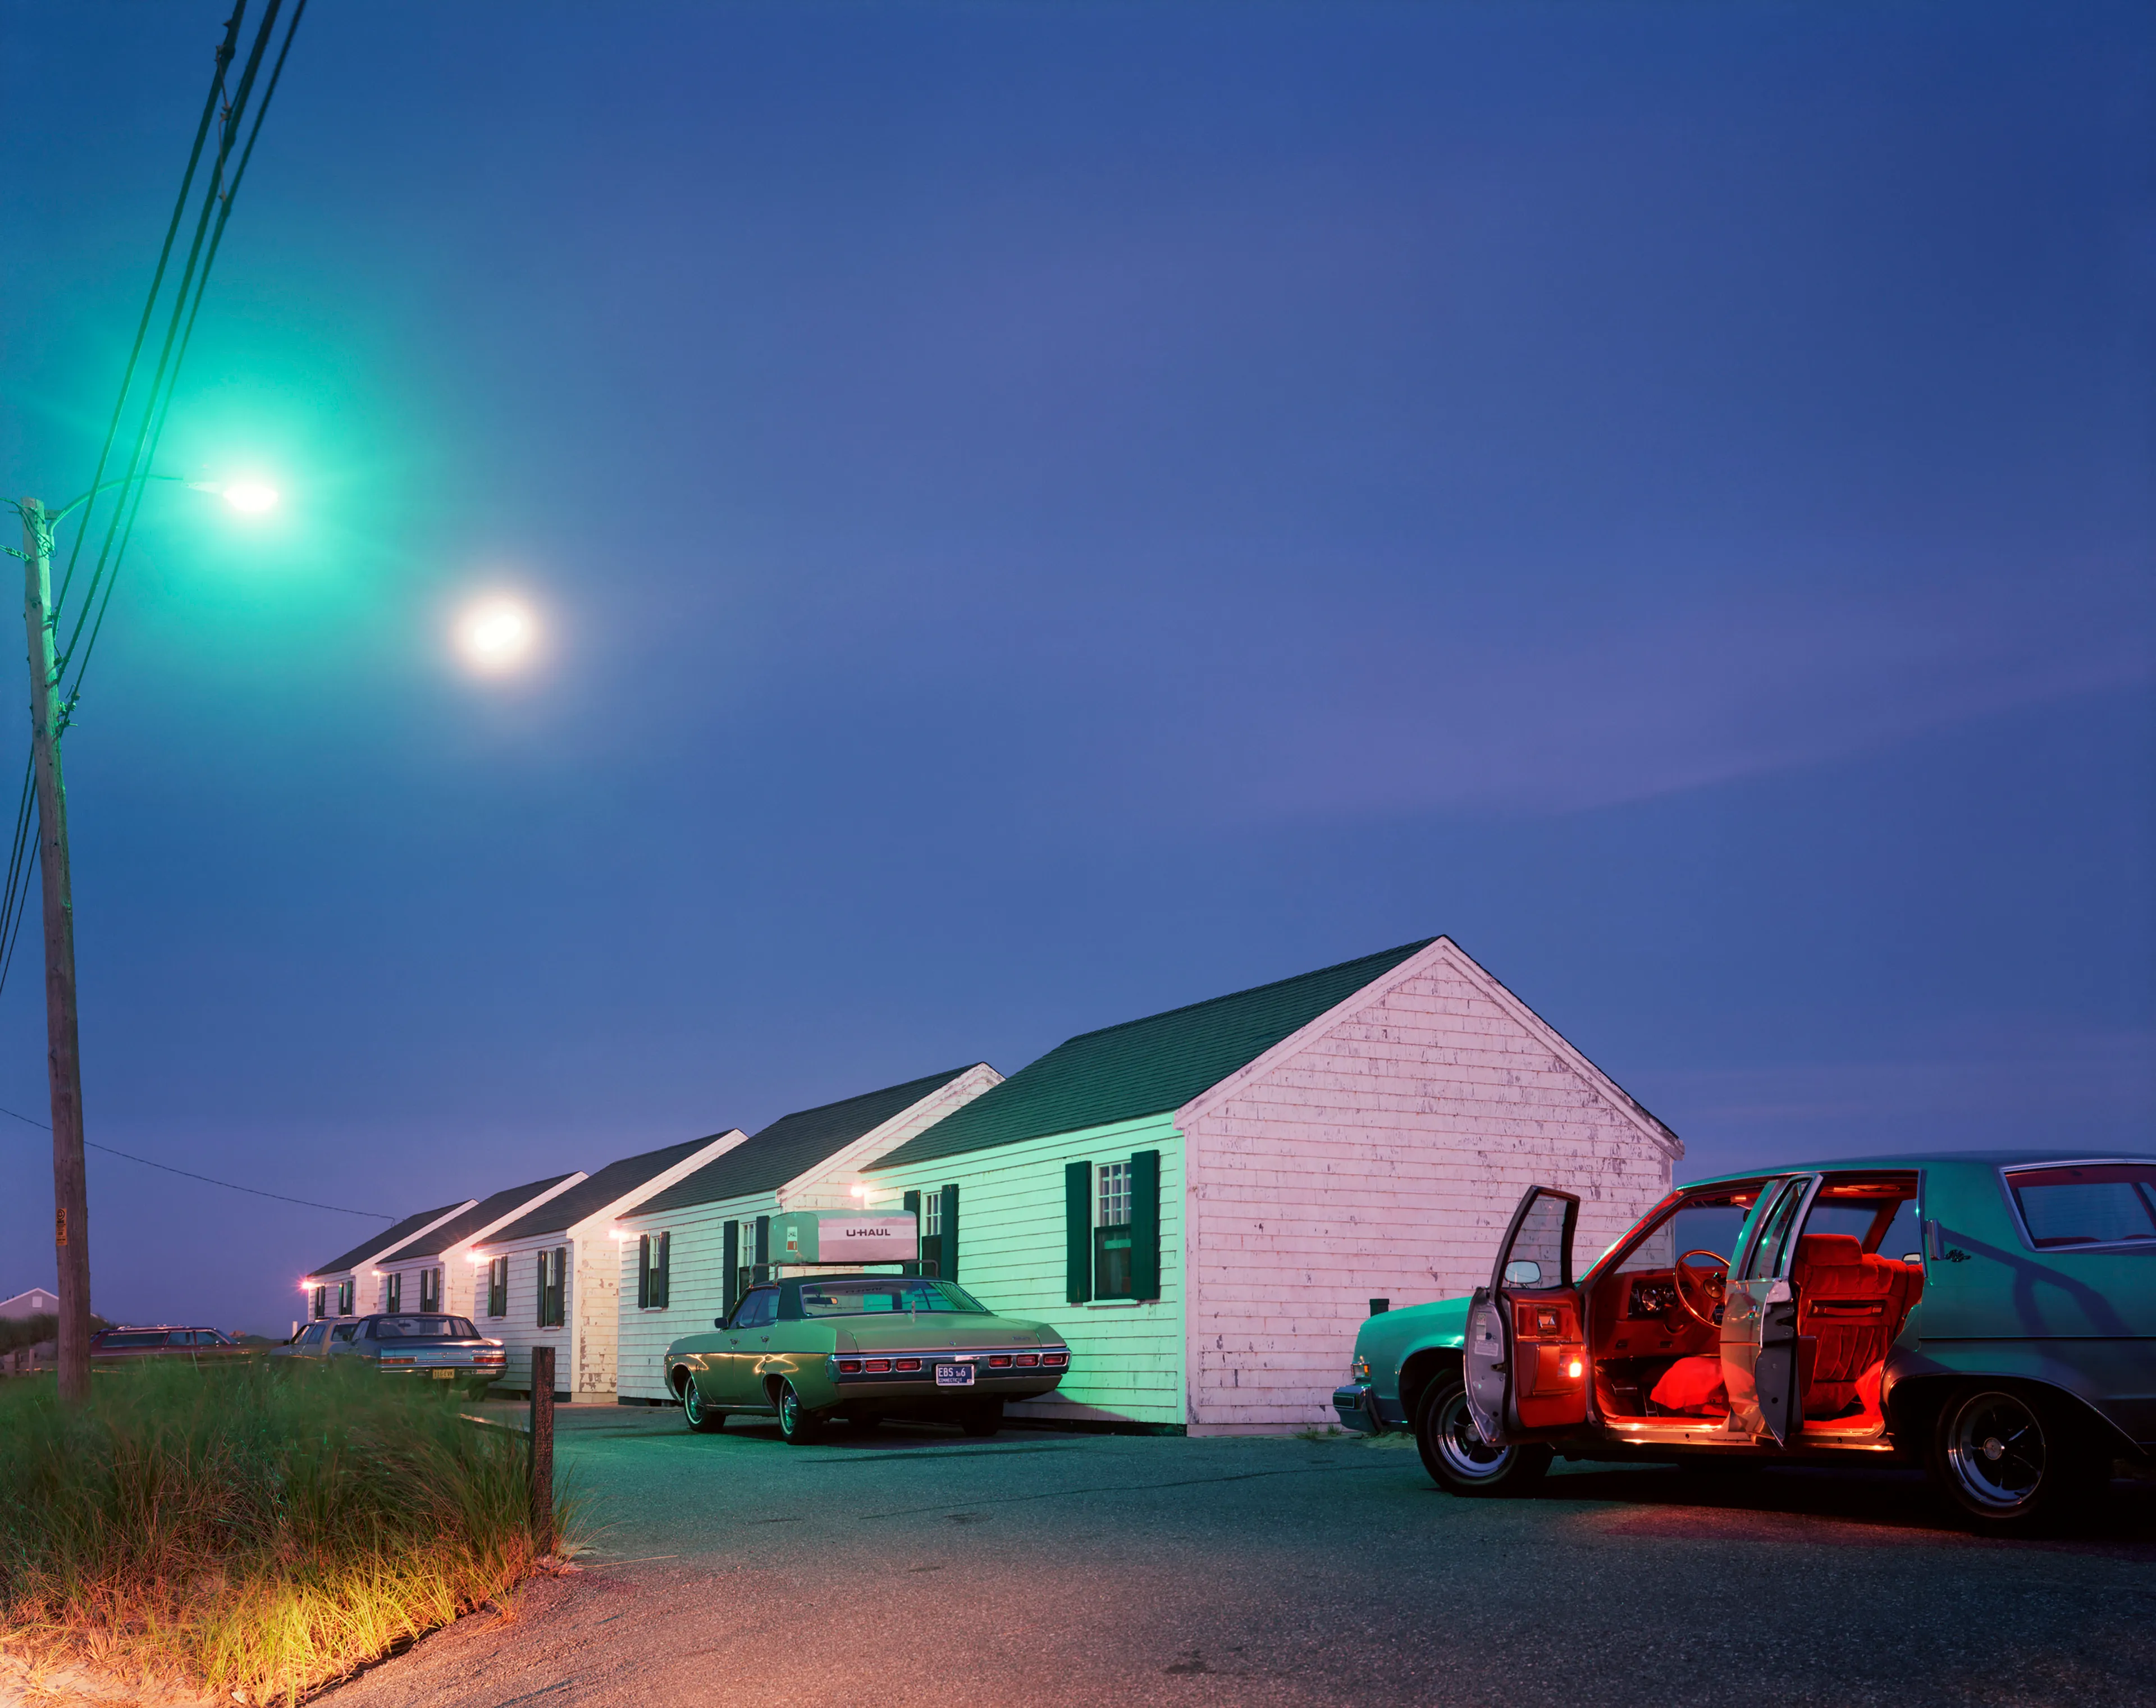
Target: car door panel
[(1525, 1354), (1760, 1352)]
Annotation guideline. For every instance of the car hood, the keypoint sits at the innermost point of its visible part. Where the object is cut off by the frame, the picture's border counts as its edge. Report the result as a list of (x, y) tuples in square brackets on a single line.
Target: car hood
[(1385, 1339)]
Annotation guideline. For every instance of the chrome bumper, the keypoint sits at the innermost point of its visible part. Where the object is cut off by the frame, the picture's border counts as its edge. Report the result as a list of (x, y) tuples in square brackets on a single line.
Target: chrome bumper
[(1357, 1404)]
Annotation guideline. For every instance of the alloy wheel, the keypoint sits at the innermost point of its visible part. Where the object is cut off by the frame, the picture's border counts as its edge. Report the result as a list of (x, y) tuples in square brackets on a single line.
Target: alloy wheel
[(1460, 1444), (1997, 1451)]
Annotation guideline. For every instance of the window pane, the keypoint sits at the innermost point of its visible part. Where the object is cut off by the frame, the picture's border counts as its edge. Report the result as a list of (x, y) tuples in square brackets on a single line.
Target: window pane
[(1111, 1262), (931, 1214), (1765, 1261), (1541, 1239), (1115, 1195), (2102, 1205)]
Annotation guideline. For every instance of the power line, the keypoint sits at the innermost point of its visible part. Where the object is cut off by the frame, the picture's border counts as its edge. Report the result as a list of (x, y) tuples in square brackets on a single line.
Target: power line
[(229, 1186), (186, 336), (225, 53)]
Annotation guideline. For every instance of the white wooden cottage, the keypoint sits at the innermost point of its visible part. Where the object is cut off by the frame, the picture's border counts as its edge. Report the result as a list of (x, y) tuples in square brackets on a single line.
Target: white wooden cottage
[(433, 1270), (685, 1251), (1205, 1202), (549, 1278), (350, 1283)]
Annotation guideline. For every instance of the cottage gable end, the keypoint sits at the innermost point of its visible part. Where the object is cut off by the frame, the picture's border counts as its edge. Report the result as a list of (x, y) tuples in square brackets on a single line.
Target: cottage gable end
[(1377, 1153)]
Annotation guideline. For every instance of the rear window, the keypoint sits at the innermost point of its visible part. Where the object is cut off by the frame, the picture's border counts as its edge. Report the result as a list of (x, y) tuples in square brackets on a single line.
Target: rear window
[(422, 1328), (2087, 1204), (883, 1296)]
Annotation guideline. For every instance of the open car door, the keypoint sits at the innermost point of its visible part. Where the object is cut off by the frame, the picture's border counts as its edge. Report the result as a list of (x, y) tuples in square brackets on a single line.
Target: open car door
[(1526, 1359), (1759, 1347)]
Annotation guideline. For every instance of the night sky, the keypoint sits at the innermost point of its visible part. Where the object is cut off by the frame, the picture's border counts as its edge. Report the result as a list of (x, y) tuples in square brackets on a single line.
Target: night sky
[(1042, 513)]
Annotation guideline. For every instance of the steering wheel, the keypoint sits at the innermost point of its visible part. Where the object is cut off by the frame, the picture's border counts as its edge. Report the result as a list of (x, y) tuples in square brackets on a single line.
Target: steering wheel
[(1713, 1287)]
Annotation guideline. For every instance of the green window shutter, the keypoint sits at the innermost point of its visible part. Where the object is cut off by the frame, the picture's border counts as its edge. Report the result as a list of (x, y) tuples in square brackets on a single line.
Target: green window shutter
[(643, 1271), (921, 1247), (665, 1268), (1145, 1224), (1078, 1232), (729, 1262), (542, 1289), (947, 1240), (764, 1248)]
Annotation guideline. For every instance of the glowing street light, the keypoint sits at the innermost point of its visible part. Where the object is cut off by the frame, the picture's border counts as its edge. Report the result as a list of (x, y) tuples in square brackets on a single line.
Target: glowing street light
[(498, 634), (250, 498)]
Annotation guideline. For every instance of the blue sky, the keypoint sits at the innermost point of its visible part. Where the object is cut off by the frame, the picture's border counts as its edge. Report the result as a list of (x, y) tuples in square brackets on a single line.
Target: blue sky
[(1044, 513)]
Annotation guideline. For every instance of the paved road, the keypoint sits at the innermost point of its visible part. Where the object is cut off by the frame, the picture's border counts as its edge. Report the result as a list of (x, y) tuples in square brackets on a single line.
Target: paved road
[(920, 1567)]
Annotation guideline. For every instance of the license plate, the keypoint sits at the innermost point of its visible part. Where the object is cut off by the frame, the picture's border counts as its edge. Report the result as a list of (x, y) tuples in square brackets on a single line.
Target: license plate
[(954, 1376), (442, 1375)]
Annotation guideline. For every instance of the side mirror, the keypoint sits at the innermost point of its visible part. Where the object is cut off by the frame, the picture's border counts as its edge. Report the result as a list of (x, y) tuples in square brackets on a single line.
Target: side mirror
[(718, 1322), (1523, 1272)]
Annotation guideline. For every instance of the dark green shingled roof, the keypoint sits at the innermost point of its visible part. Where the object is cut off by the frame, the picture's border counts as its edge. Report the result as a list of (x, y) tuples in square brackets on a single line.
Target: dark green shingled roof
[(1143, 1067), (461, 1228), (793, 1144), (382, 1241), (588, 1197)]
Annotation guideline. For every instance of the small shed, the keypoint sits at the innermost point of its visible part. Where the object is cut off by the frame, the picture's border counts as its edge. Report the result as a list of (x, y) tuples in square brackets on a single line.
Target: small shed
[(1205, 1201), (686, 1251), (350, 1283), (434, 1270), (549, 1277)]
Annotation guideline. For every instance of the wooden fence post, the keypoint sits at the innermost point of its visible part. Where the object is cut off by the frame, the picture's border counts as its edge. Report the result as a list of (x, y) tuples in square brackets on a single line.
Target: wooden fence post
[(542, 1448)]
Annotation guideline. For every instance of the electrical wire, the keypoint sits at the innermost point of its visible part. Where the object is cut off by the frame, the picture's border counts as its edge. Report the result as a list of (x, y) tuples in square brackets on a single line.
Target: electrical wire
[(217, 238), (158, 398), (229, 1186), (225, 53), (14, 902)]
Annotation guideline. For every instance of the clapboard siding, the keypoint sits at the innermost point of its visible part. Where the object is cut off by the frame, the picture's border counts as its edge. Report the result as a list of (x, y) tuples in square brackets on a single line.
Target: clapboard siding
[(1126, 1360), (519, 1331), (1379, 1154)]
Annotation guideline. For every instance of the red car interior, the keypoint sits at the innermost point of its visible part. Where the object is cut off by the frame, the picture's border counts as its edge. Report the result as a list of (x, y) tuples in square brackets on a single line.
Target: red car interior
[(1652, 1358)]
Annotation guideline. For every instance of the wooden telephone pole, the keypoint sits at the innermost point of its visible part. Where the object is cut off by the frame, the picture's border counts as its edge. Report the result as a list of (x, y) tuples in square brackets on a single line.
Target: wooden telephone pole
[(62, 1060)]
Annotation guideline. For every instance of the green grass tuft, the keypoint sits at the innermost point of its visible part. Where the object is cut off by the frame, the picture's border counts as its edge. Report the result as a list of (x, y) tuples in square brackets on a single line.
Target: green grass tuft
[(259, 1527)]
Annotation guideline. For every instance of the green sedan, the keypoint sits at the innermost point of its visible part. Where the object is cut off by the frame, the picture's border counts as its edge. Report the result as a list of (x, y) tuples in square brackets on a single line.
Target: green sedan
[(862, 1347)]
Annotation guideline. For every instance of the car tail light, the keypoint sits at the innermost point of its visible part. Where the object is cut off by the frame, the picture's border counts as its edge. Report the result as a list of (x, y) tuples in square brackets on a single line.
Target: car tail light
[(1054, 1360), (1029, 1358), (396, 1357), (907, 1363), (850, 1366), (877, 1366), (1000, 1360), (486, 1358)]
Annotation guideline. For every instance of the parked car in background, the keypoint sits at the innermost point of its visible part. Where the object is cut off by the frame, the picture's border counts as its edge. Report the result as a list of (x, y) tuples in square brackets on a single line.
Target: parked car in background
[(198, 1345), (1990, 1315), (426, 1346), (864, 1347)]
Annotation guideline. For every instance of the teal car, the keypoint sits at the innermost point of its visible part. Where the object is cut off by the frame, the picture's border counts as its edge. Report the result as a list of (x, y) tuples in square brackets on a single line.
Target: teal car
[(1990, 1315)]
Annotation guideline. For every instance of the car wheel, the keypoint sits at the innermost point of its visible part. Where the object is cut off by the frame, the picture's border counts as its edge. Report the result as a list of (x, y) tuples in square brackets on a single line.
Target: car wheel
[(1457, 1457), (2011, 1461), (798, 1424), (702, 1420), (982, 1419)]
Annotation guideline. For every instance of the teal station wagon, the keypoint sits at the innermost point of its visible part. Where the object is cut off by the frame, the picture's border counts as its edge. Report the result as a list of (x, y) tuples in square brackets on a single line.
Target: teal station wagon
[(1990, 1313)]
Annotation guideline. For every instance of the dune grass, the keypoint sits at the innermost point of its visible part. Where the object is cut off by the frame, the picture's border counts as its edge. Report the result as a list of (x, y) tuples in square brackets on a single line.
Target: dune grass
[(261, 1528)]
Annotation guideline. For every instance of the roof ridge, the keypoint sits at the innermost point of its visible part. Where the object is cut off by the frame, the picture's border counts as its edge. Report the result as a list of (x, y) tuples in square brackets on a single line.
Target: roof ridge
[(1404, 950), (941, 1079)]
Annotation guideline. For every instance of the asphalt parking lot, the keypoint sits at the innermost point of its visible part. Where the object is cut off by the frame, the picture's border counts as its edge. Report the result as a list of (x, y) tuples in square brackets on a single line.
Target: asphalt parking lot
[(918, 1567)]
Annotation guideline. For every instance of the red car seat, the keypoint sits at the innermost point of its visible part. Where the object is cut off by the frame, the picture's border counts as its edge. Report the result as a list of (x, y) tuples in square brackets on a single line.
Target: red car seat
[(1853, 1304)]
